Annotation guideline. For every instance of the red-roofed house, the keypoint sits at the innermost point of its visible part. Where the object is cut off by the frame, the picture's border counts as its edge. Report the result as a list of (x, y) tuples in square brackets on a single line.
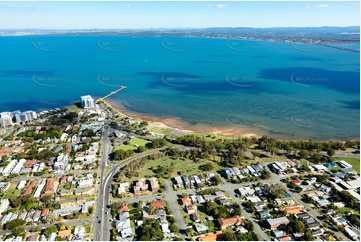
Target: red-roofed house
[(124, 208), (226, 222), (30, 163), (297, 181), (63, 179), (64, 233), (157, 204), (44, 212), (29, 188), (186, 201), (50, 188), (211, 236)]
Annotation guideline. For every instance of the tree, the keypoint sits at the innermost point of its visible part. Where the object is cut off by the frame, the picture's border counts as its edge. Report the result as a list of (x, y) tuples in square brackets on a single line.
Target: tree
[(91, 209), (121, 154), (256, 154), (206, 167), (304, 154), (276, 191), (173, 228), (151, 231), (50, 230), (297, 226), (308, 236), (15, 202), (141, 149), (50, 219), (11, 225), (265, 174), (157, 143), (331, 152), (229, 236), (18, 231), (217, 180)]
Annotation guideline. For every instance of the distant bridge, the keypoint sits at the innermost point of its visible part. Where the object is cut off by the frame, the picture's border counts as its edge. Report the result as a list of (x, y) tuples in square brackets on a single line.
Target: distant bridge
[(339, 47), (112, 93)]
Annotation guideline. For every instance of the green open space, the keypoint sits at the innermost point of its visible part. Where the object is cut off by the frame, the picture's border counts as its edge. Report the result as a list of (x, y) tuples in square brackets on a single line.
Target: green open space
[(344, 210), (274, 158), (134, 144), (12, 191), (355, 162), (75, 108), (305, 162), (211, 136), (174, 166), (165, 131)]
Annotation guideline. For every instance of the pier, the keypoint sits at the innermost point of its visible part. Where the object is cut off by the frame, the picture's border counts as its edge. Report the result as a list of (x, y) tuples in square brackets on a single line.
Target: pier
[(112, 93)]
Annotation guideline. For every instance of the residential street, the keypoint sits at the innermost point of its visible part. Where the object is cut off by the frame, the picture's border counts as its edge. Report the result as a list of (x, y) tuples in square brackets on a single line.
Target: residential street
[(171, 198)]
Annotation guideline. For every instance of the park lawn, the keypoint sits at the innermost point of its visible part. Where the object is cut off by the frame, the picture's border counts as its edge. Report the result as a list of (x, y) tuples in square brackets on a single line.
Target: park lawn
[(184, 166), (12, 191), (134, 144), (355, 162), (165, 131), (75, 108), (305, 162), (274, 158), (211, 137), (346, 209)]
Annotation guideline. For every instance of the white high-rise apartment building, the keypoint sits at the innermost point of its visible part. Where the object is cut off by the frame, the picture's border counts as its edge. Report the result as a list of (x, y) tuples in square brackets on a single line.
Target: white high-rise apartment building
[(87, 102)]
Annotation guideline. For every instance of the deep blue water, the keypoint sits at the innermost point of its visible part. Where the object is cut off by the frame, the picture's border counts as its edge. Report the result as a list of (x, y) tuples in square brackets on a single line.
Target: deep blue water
[(280, 89)]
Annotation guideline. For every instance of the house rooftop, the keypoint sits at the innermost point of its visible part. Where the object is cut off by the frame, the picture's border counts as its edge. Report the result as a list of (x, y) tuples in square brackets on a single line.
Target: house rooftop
[(157, 204)]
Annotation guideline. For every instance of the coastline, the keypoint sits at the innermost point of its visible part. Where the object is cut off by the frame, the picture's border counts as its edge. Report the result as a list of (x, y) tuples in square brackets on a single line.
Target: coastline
[(175, 123)]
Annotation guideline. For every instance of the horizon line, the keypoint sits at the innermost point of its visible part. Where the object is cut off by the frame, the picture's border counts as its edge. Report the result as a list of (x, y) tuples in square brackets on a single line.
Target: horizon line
[(179, 28)]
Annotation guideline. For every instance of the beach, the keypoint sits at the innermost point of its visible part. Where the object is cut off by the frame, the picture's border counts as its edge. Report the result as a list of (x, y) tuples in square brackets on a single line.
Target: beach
[(184, 127)]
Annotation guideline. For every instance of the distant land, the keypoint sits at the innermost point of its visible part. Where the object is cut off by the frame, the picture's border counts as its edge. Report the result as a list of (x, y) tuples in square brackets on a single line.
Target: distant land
[(324, 35)]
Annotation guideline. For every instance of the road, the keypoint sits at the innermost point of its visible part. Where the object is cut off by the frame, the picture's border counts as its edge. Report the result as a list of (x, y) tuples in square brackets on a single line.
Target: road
[(308, 207), (99, 226), (171, 198), (104, 192), (313, 212), (230, 190)]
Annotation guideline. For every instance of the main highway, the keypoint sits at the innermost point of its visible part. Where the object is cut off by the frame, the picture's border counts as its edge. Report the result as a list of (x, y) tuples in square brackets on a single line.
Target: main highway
[(101, 223), (98, 223)]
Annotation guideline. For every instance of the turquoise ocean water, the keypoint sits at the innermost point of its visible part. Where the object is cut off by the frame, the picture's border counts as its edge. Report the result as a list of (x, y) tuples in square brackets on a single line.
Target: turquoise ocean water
[(293, 91)]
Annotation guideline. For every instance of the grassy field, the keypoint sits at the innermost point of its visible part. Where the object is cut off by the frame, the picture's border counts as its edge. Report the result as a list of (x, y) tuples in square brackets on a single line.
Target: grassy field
[(12, 191), (159, 130), (75, 108), (346, 209), (211, 136), (133, 145), (183, 166), (306, 162), (355, 162), (275, 158)]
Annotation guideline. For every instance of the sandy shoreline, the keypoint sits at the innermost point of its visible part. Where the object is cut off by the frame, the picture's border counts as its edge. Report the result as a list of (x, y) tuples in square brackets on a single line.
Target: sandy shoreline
[(176, 123)]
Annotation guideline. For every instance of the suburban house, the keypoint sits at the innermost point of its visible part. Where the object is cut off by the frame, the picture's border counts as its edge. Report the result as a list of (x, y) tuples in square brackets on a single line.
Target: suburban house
[(226, 222), (273, 224)]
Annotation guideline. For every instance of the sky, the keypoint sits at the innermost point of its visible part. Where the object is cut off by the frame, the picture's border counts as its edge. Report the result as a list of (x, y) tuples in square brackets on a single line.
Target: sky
[(140, 15)]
